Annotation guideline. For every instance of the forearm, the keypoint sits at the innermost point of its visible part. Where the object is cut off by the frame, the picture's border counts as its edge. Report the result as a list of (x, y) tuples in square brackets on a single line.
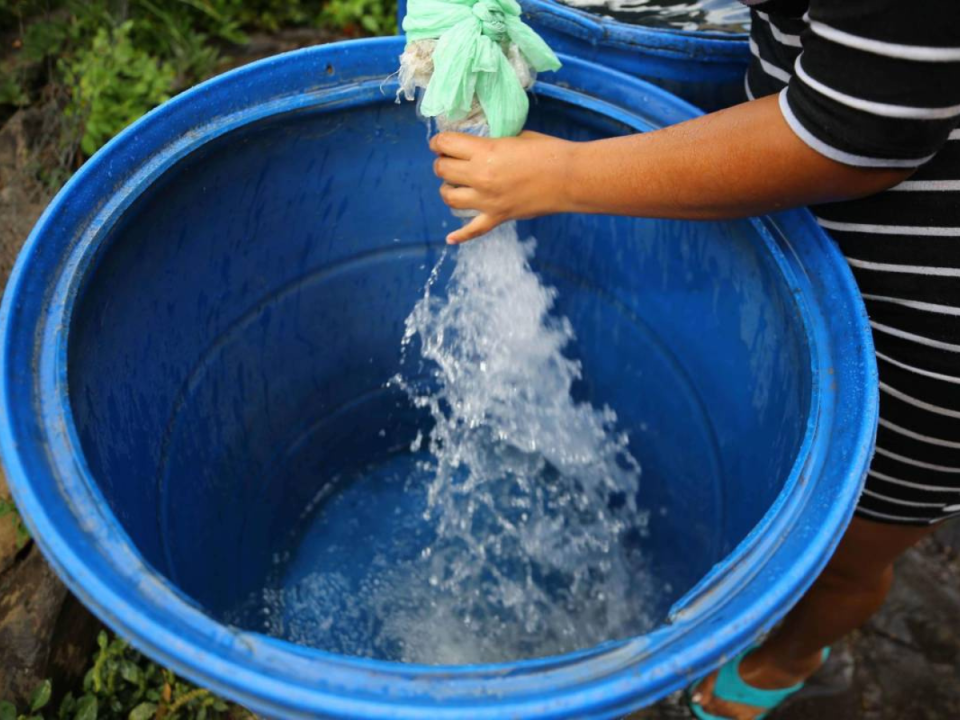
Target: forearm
[(735, 163)]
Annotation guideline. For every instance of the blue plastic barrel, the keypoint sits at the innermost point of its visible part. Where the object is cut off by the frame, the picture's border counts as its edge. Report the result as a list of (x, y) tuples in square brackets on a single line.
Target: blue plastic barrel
[(197, 335), (704, 67)]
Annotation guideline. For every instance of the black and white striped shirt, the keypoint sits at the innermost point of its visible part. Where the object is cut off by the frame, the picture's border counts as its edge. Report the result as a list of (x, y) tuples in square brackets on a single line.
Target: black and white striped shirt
[(876, 83)]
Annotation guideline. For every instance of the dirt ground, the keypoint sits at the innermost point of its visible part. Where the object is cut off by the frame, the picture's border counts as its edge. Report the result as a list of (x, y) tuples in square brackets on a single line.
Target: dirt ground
[(904, 665)]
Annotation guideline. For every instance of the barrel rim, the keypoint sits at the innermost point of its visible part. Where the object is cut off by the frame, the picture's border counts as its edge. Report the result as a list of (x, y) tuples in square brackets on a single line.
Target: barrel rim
[(601, 680)]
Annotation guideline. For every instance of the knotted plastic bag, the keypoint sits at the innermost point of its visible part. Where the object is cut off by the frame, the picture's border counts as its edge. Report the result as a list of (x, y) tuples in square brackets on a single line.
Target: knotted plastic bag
[(475, 59)]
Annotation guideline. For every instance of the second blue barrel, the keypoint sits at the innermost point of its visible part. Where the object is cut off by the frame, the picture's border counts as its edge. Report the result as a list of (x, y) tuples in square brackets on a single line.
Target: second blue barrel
[(198, 338), (704, 66)]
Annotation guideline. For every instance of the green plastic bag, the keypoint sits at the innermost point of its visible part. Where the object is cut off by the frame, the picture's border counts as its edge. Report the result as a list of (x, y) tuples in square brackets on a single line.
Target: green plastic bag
[(470, 61)]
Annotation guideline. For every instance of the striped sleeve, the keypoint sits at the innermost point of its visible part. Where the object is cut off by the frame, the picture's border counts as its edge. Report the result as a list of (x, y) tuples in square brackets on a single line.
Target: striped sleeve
[(878, 81)]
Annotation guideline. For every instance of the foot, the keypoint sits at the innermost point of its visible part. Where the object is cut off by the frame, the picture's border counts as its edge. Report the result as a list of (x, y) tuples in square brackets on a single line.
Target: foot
[(759, 672)]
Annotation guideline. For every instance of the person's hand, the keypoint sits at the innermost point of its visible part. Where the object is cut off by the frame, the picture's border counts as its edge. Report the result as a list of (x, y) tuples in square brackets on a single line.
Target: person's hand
[(504, 179)]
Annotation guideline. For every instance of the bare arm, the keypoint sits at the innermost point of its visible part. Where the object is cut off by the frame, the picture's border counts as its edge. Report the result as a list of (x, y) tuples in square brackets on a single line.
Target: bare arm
[(734, 163)]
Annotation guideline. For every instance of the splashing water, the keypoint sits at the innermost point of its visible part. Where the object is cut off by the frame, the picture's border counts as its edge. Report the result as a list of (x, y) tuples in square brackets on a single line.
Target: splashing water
[(532, 493), (524, 543)]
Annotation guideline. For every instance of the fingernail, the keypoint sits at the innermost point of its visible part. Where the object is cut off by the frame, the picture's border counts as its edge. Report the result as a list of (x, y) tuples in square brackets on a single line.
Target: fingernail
[(696, 697)]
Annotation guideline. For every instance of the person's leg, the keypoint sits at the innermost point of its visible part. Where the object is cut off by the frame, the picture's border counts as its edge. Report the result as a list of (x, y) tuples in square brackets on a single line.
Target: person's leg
[(850, 590)]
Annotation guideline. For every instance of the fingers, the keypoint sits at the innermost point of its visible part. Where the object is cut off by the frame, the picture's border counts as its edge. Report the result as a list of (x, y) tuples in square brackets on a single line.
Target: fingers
[(459, 198), (456, 145), (453, 166), (455, 172), (480, 225)]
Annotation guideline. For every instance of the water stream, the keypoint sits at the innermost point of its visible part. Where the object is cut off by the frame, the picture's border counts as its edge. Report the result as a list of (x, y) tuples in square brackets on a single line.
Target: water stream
[(509, 528)]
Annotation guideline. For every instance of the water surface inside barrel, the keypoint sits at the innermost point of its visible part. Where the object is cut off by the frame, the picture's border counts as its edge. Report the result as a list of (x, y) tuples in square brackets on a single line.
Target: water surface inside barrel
[(697, 50), (714, 15)]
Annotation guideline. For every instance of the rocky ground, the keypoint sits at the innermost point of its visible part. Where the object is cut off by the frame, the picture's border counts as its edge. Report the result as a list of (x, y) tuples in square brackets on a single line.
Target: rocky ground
[(905, 664), (43, 631)]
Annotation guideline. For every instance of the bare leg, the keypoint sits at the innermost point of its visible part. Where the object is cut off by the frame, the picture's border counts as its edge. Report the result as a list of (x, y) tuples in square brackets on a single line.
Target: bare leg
[(850, 590)]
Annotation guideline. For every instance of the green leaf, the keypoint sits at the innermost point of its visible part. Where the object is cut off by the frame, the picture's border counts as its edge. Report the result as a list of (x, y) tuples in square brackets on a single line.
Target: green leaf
[(88, 683), (86, 708), (102, 640), (143, 711), (8, 711), (130, 672), (41, 695), (89, 144), (67, 706)]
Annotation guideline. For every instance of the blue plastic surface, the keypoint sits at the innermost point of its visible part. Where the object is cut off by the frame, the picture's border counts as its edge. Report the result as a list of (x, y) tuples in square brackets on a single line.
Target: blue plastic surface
[(198, 331), (704, 67)]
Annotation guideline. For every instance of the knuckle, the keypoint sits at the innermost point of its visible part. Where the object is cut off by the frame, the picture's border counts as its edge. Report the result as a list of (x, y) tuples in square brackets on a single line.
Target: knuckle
[(487, 177)]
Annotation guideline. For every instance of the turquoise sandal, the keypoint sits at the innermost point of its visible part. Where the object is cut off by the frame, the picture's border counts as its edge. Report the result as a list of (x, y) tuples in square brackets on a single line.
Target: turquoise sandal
[(731, 687)]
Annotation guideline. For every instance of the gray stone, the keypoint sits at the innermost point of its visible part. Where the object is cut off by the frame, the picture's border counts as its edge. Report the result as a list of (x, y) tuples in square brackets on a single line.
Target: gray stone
[(30, 600), (8, 531), (22, 199), (44, 631), (22, 196)]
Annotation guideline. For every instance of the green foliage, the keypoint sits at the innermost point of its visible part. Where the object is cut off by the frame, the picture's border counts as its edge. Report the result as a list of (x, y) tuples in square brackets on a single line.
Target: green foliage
[(122, 684), (39, 700), (113, 82), (8, 509), (376, 17), (13, 12), (265, 15), (12, 90), (184, 33), (116, 59), (16, 69), (44, 39), (41, 696)]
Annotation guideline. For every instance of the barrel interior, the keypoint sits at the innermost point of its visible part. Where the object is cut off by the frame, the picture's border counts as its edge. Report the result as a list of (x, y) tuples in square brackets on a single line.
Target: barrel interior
[(230, 348)]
